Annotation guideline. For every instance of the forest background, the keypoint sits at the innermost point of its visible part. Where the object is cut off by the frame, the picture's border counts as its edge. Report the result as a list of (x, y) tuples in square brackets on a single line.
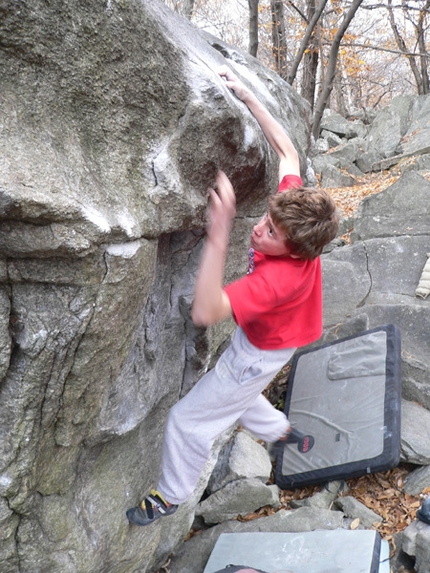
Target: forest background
[(349, 56)]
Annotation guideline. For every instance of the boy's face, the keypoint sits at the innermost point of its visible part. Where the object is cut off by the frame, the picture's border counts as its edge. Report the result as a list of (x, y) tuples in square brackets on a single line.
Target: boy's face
[(268, 239)]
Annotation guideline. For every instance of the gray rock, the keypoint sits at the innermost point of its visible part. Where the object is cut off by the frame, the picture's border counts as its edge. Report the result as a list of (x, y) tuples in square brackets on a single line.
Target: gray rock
[(334, 122), (322, 162), (417, 480), (402, 209), (366, 115), (331, 139), (322, 145), (242, 457), (331, 177), (417, 163), (351, 507), (193, 554), (389, 126), (369, 161), (416, 543), (415, 441), (416, 139), (348, 151), (324, 498), (106, 153), (344, 266), (415, 380), (237, 498)]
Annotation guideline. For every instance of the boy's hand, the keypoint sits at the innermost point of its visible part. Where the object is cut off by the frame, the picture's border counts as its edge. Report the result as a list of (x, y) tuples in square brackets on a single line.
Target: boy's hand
[(222, 210), (234, 83), (211, 303)]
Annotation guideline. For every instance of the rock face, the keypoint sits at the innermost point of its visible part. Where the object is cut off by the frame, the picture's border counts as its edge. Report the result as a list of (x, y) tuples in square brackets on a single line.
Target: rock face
[(397, 136), (113, 123)]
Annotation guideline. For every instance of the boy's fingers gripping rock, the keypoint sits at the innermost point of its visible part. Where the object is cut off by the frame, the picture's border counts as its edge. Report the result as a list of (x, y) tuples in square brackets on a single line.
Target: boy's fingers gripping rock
[(226, 193)]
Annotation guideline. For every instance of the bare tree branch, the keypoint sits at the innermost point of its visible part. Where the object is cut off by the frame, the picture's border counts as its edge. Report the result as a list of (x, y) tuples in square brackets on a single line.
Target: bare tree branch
[(305, 41), (253, 27), (331, 67), (380, 49), (403, 48)]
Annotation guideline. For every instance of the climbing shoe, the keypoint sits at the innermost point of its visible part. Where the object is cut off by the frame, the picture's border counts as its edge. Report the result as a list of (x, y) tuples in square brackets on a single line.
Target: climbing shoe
[(151, 508), (305, 442), (423, 513)]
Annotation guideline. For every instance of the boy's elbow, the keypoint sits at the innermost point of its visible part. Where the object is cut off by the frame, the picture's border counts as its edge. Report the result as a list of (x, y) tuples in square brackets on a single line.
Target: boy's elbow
[(200, 318), (208, 314)]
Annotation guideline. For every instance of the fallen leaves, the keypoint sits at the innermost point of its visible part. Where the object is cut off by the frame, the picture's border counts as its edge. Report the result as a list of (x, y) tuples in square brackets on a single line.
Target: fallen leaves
[(383, 494), (349, 198)]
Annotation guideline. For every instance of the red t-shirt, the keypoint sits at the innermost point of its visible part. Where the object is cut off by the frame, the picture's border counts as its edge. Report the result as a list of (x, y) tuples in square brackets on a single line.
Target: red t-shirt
[(279, 303)]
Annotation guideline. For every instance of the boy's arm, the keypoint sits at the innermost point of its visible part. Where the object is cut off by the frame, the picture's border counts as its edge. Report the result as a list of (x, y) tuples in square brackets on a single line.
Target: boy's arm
[(211, 303), (275, 134)]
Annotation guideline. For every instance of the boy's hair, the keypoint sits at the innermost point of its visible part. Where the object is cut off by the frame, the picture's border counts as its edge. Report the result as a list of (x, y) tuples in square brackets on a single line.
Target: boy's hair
[(308, 217)]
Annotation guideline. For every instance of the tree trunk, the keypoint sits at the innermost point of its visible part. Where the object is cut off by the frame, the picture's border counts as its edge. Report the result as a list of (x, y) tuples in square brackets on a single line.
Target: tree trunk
[(424, 56), (331, 67), (403, 48), (309, 74), (187, 9), (279, 42), (253, 27), (309, 38)]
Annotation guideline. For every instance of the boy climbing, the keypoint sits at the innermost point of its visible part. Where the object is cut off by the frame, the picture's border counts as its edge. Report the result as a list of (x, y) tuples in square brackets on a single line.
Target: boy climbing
[(277, 307)]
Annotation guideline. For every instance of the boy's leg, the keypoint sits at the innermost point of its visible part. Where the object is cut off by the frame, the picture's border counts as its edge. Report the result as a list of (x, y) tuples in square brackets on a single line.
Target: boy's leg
[(212, 406), (265, 421)]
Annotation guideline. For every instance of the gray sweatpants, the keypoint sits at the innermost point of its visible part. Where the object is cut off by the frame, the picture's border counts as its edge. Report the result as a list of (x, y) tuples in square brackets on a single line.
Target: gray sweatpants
[(228, 393)]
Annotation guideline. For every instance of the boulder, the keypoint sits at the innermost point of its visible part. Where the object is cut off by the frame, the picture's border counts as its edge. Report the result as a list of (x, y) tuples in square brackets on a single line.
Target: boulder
[(194, 553), (416, 138), (416, 543), (236, 498), (386, 215), (389, 126), (322, 499), (114, 124), (415, 442), (337, 124), (417, 480), (332, 177), (351, 507), (241, 457)]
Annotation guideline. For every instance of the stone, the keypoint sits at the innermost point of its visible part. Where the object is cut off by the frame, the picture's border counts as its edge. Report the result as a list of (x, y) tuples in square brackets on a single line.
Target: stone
[(415, 380), (322, 499), (334, 122), (193, 554), (242, 457), (344, 266), (389, 126), (417, 480), (331, 177), (322, 145), (415, 440), (238, 497), (416, 139), (402, 209), (369, 161), (351, 507), (348, 151), (106, 153), (416, 543), (331, 139)]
